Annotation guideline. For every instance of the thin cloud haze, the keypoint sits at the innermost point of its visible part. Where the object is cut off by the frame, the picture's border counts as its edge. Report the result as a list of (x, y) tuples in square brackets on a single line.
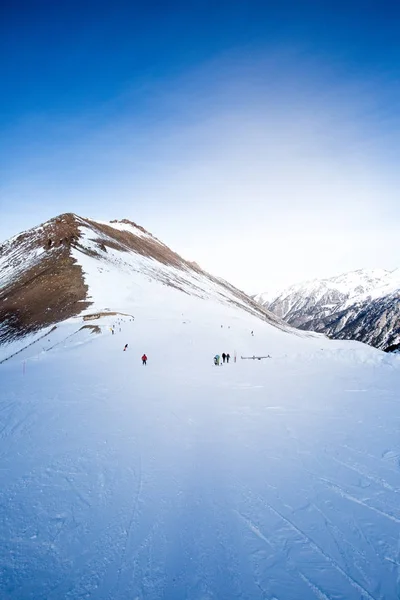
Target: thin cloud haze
[(265, 165)]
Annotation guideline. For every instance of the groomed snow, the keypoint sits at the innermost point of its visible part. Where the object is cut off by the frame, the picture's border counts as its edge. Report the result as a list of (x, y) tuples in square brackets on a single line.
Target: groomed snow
[(138, 282), (271, 479)]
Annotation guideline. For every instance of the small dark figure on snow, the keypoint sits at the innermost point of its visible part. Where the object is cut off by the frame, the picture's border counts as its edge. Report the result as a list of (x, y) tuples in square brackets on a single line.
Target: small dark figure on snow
[(228, 357), (125, 347), (223, 357), (144, 359)]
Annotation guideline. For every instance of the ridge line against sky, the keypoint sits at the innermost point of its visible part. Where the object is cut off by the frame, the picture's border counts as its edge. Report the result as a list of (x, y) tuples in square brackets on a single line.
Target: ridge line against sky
[(259, 139)]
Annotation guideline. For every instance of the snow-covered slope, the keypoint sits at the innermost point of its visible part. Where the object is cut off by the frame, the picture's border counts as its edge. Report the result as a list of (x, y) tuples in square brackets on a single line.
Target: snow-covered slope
[(275, 478), (61, 268), (361, 305), (272, 478)]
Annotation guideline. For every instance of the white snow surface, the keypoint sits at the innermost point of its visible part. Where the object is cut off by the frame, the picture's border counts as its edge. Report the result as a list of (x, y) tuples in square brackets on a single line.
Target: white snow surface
[(130, 227), (272, 479), (15, 261), (138, 282), (267, 297)]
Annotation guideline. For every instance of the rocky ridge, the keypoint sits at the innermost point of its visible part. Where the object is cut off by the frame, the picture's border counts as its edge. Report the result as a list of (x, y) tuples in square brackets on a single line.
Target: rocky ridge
[(42, 281)]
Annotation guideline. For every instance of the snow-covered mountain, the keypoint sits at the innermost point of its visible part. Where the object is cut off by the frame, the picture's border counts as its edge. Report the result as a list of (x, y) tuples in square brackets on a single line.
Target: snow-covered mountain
[(363, 305), (269, 478), (68, 264)]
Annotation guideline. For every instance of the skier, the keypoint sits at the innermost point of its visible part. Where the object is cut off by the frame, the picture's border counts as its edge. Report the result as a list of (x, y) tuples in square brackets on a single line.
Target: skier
[(252, 333), (216, 360), (223, 357), (228, 357), (144, 359), (125, 347)]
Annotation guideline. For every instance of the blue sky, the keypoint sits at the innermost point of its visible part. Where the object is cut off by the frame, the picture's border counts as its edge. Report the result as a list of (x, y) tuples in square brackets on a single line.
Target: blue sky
[(259, 138)]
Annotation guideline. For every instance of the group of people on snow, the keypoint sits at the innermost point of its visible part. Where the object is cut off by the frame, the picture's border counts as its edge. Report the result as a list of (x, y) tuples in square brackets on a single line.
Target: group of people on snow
[(225, 358)]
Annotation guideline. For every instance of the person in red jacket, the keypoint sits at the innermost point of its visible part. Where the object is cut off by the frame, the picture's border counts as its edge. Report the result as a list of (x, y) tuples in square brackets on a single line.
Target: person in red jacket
[(144, 359)]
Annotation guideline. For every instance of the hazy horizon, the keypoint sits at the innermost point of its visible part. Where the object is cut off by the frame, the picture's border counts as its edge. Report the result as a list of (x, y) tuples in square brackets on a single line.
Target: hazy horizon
[(258, 140)]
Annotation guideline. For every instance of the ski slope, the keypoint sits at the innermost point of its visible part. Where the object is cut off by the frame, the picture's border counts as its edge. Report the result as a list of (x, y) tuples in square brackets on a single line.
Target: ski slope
[(276, 479)]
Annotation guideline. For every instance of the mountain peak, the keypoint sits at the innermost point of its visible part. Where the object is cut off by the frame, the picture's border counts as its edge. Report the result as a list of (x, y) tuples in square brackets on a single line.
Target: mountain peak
[(132, 224), (61, 267)]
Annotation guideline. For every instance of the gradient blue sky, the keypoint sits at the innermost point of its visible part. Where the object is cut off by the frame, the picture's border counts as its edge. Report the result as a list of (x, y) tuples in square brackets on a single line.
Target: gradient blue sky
[(260, 139)]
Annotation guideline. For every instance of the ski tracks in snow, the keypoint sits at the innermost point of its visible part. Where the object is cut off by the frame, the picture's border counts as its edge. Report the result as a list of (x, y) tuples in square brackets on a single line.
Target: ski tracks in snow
[(316, 548), (254, 529), (148, 485), (314, 588), (127, 550), (337, 489)]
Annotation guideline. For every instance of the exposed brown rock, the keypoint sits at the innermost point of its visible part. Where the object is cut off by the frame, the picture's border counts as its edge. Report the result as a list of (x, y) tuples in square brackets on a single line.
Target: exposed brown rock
[(42, 284), (48, 293), (47, 290), (107, 313), (92, 328)]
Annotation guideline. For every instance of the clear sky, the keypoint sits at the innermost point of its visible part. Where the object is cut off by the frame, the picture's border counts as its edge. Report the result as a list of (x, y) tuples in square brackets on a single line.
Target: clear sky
[(261, 139)]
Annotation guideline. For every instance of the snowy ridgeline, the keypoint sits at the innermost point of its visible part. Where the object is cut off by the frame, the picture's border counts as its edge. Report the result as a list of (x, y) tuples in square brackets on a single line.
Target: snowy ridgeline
[(272, 479), (361, 305), (355, 286)]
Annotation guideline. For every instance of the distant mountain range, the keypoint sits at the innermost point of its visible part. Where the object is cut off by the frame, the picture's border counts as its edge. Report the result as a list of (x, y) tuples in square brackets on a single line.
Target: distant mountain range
[(361, 305)]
